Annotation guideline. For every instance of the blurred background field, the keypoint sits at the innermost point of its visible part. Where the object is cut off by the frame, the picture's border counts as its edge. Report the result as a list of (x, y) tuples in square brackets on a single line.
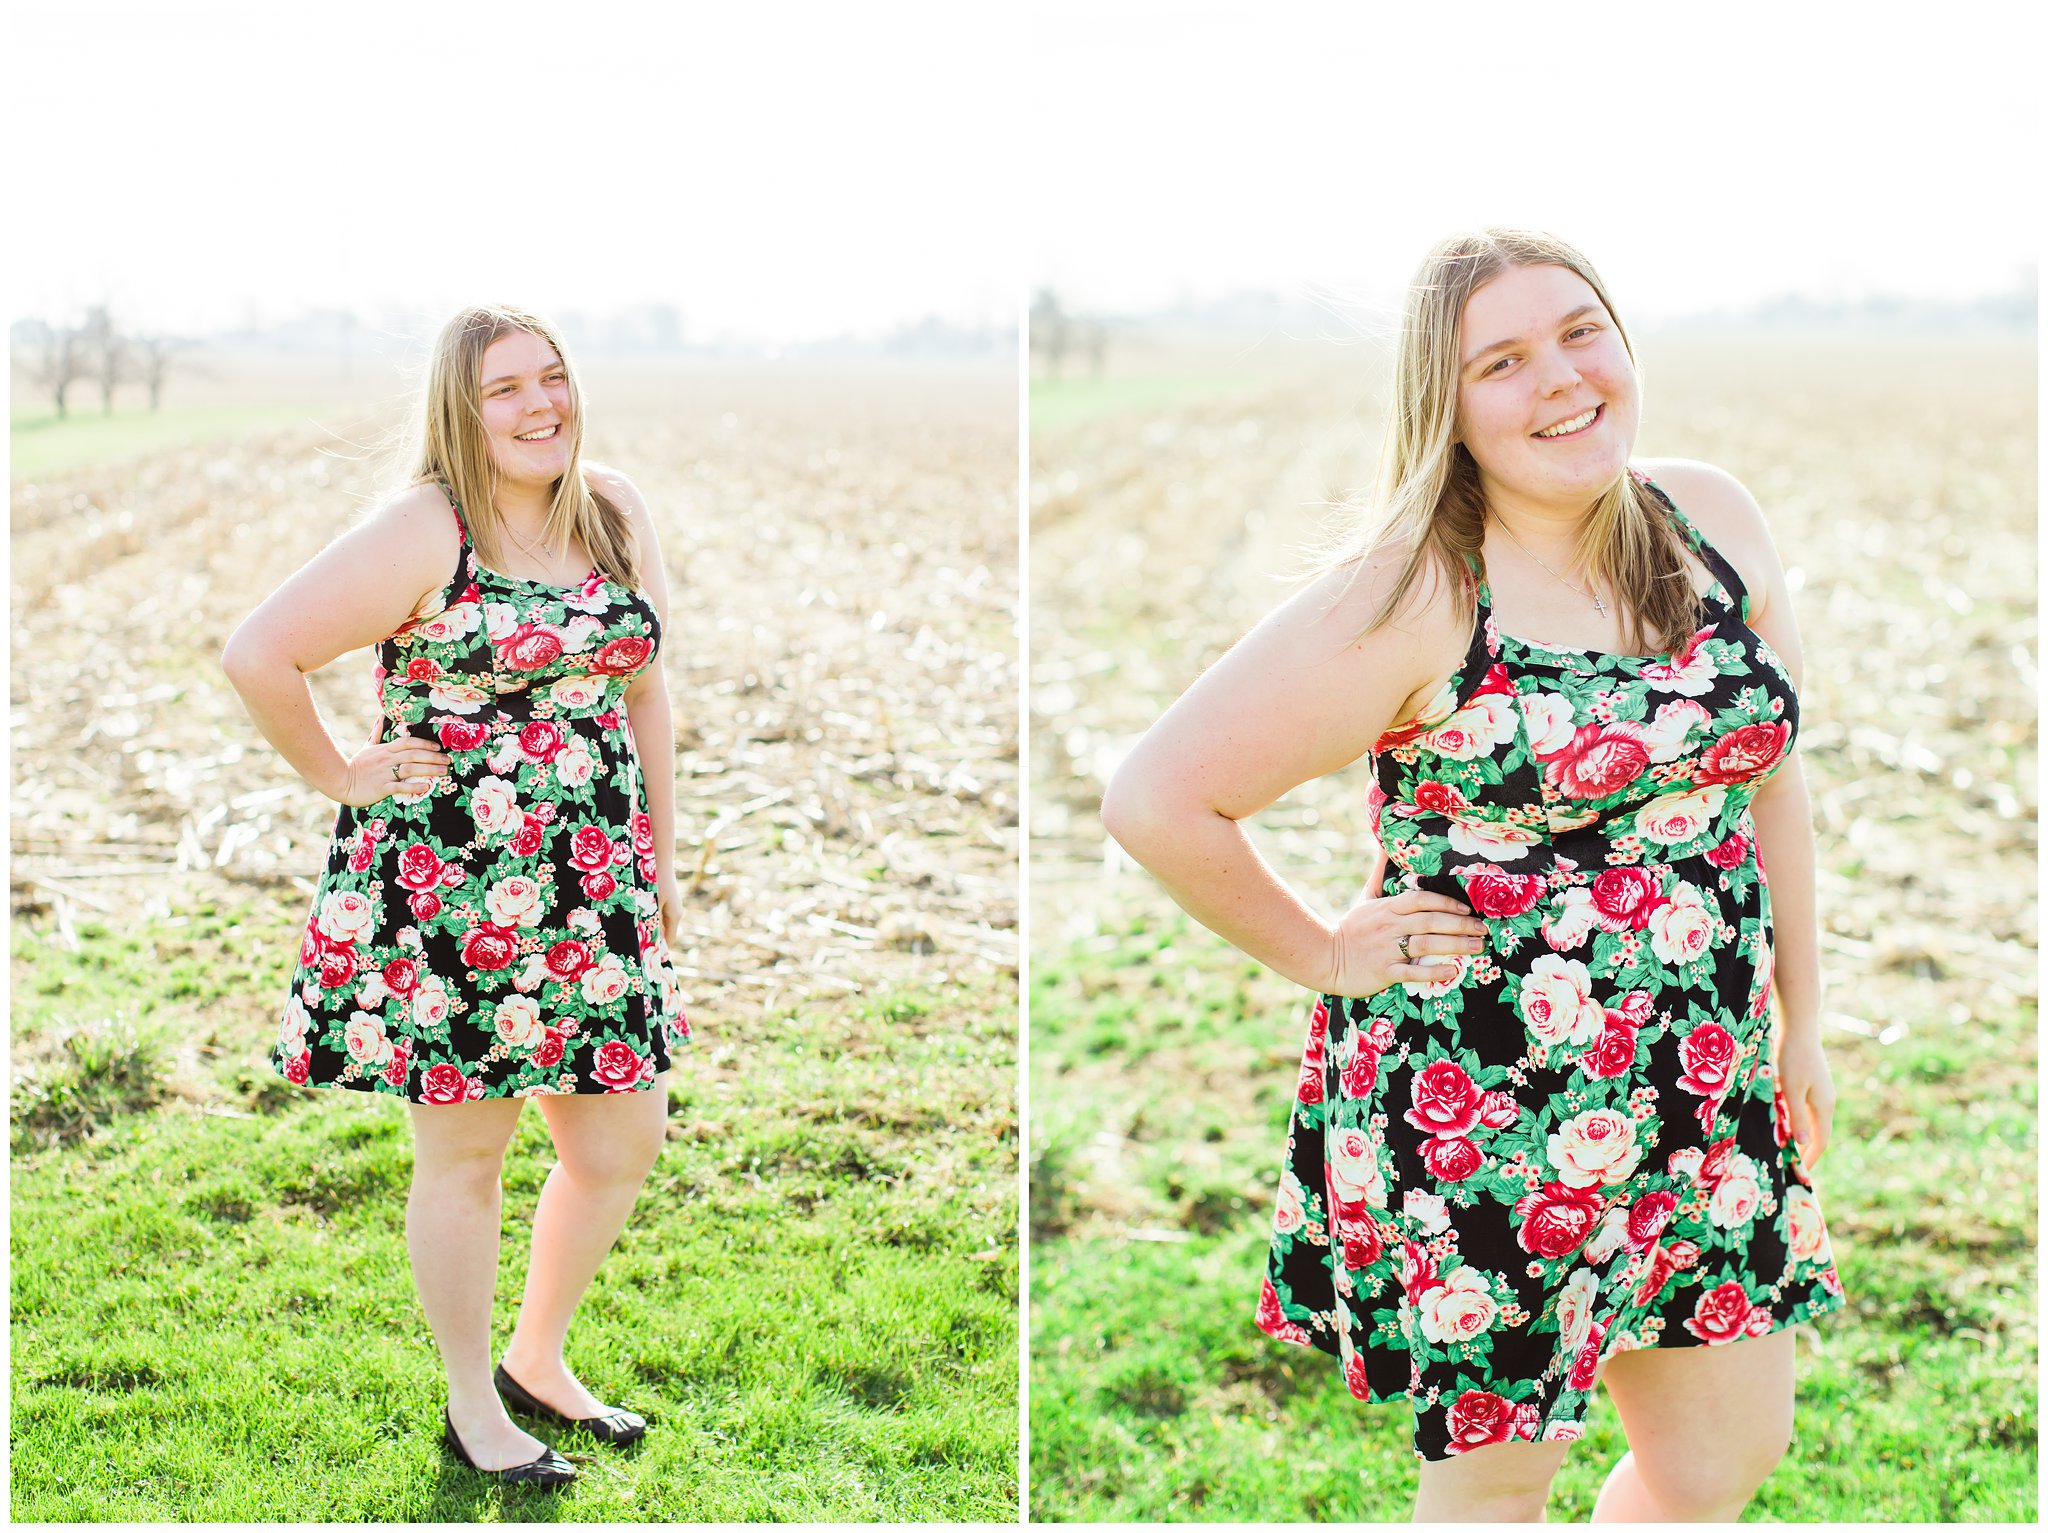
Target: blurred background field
[(816, 1300), (1176, 482)]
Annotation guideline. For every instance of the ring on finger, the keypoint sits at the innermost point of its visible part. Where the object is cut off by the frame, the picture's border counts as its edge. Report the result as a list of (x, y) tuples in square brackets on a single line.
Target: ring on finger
[(1406, 956), (394, 771)]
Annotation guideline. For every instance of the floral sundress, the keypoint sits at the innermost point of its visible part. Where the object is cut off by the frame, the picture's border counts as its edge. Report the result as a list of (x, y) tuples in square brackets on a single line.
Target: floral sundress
[(1572, 1144), (499, 937)]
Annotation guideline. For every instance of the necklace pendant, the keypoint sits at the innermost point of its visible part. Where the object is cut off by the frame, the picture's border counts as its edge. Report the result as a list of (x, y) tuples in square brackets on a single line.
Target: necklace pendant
[(1600, 606)]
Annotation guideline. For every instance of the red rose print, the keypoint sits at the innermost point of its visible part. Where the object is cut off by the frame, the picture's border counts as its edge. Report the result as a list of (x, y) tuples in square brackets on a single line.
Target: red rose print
[(310, 945), (359, 859), (424, 906), (567, 960), (1599, 759), (1360, 1071), (1624, 898), (541, 740), (590, 849), (545, 813), (337, 965), (1318, 1030), (529, 647), (621, 656), (643, 833), (489, 946), (419, 866), (1418, 1272), (1499, 1110), (1614, 1054), (1438, 798), (462, 734), (1585, 1367), (1726, 1314), (299, 1068), (1715, 1163), (1656, 1273), (1499, 895), (549, 1054), (526, 841), (1479, 1418), (1446, 1101), (1556, 1219), (616, 1065), (396, 1067), (1362, 1243), (1708, 1052), (1743, 753), (1451, 1160), (1633, 1008), (401, 974), (1269, 1307), (1309, 1089), (1647, 1218), (1354, 1376), (1729, 853), (443, 1084), (1781, 1116), (598, 886), (422, 668)]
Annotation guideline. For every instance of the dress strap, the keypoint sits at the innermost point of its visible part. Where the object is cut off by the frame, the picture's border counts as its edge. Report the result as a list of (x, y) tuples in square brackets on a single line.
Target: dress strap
[(455, 506), (1711, 556)]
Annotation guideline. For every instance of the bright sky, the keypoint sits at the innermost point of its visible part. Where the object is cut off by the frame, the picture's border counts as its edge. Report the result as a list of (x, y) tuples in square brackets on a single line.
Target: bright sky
[(1702, 156), (788, 170), (777, 171)]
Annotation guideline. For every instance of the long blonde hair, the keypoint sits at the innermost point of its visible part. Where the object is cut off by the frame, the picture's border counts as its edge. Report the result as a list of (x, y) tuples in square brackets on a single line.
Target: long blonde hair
[(1427, 498), (451, 445)]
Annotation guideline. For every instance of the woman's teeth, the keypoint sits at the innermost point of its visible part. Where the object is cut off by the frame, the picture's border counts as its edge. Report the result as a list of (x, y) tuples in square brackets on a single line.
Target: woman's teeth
[(1576, 423), (544, 434)]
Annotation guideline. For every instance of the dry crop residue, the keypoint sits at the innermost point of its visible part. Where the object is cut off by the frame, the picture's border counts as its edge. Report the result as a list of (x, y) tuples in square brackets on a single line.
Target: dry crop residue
[(841, 652)]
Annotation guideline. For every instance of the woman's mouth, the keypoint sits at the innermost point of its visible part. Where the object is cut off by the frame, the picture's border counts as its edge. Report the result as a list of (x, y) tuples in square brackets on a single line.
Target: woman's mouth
[(544, 434), (1576, 426)]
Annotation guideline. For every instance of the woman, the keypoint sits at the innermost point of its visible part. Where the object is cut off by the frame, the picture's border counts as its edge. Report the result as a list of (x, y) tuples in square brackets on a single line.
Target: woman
[(1541, 1133), (486, 929)]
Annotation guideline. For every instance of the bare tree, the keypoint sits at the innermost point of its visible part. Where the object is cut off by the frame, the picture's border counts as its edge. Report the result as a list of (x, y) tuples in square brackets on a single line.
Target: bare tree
[(108, 350), (53, 356), (152, 355)]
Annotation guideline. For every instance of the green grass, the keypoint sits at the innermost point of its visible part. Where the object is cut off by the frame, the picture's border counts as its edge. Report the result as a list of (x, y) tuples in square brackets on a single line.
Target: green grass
[(1060, 404), (40, 444), (213, 1317), (1154, 1398)]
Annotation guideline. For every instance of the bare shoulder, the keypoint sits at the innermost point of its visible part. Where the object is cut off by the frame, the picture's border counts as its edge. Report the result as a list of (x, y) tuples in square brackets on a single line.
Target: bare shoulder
[(622, 492), (1725, 512), (415, 529), (1352, 596)]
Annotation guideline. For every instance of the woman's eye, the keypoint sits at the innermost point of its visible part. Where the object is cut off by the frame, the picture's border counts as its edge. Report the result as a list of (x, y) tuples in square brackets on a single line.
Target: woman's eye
[(1582, 330), (1503, 362)]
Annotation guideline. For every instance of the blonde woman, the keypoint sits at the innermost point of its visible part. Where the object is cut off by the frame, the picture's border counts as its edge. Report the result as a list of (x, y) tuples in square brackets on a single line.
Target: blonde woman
[(1548, 1128), (494, 918)]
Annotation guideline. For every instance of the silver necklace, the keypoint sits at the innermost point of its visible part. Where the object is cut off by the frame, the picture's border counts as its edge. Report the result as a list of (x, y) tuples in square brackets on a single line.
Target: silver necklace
[(1599, 606)]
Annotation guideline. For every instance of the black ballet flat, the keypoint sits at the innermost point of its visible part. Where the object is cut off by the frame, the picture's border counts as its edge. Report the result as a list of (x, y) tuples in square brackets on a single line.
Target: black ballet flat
[(547, 1470), (615, 1427)]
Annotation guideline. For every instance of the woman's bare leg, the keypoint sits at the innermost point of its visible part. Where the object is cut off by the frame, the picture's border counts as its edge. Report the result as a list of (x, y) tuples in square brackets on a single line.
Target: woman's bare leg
[(1506, 1482), (451, 1232), (1706, 1425), (605, 1146)]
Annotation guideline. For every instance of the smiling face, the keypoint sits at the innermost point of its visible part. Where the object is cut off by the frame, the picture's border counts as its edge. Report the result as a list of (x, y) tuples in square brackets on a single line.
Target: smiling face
[(525, 390), (1548, 399)]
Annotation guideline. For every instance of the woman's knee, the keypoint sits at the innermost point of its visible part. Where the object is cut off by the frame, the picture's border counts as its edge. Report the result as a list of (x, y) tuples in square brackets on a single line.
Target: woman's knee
[(620, 1157), (1504, 1482), (1707, 1477)]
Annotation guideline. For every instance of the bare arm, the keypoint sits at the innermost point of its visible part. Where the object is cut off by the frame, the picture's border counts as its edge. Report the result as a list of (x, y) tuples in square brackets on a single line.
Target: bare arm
[(648, 708), (1295, 699), (355, 592)]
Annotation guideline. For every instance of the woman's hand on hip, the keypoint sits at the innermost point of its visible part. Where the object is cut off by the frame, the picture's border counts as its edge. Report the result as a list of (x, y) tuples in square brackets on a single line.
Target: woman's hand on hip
[(1365, 944), (406, 767)]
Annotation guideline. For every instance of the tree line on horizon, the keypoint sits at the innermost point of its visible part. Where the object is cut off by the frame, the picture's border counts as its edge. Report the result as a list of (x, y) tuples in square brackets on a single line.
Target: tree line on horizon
[(94, 351)]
